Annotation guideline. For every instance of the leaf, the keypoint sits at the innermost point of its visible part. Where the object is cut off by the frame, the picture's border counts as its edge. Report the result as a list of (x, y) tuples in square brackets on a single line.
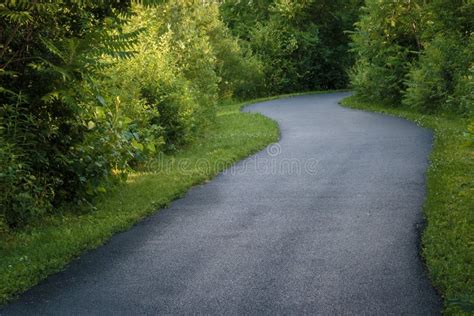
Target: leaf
[(90, 125), (137, 145), (101, 189), (101, 100), (99, 112), (50, 96), (127, 120), (151, 147), (52, 48)]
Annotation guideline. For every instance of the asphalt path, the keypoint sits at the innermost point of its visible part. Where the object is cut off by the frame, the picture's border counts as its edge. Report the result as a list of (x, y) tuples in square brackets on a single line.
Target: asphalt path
[(324, 222)]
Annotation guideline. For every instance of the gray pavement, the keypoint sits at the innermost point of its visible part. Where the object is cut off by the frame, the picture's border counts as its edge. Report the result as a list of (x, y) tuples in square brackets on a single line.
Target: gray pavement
[(325, 222)]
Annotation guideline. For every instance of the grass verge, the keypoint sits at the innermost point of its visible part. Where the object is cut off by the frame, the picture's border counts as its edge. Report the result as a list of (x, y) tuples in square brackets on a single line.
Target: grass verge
[(46, 247), (448, 240)]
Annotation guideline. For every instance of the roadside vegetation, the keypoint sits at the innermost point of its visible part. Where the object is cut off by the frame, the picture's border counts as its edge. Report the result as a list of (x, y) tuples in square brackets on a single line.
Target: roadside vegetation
[(414, 59), (93, 90), (43, 247)]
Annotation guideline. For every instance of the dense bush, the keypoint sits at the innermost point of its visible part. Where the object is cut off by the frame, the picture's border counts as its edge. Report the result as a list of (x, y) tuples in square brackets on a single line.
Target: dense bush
[(438, 82), (49, 52), (219, 65), (416, 52), (301, 44), (464, 92), (91, 89), (186, 61), (386, 42)]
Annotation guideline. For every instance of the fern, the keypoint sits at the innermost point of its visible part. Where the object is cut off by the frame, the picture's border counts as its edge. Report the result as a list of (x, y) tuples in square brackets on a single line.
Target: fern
[(17, 17)]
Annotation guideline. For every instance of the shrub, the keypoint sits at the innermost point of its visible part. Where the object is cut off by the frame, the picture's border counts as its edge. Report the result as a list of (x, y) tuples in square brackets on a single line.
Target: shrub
[(380, 78), (386, 42), (417, 51), (433, 82), (52, 152), (464, 92), (22, 198), (301, 44)]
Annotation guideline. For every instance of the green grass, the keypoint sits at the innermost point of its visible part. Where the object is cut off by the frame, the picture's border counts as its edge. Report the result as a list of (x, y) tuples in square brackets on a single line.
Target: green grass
[(30, 255), (448, 240)]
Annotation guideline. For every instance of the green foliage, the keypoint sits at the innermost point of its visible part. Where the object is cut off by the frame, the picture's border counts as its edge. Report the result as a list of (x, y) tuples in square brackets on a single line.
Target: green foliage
[(92, 89), (301, 44), (48, 54), (386, 42), (418, 52), (464, 92), (440, 81), (21, 196)]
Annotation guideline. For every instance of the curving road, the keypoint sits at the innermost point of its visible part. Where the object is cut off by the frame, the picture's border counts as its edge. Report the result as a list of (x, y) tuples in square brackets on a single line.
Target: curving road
[(325, 222)]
